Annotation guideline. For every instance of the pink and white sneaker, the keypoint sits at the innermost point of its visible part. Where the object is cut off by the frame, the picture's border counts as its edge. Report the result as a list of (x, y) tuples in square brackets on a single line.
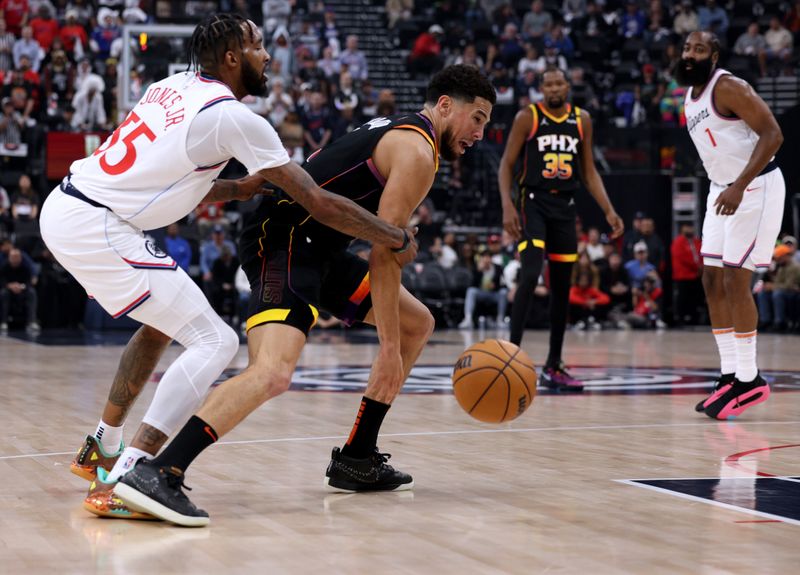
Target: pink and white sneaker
[(558, 378), (740, 396)]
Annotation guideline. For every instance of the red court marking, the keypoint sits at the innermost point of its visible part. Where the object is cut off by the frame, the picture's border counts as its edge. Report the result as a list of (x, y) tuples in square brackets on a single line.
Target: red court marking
[(733, 460)]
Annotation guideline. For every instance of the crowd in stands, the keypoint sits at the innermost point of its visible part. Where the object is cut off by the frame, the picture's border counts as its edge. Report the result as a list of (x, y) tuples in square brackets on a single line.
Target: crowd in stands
[(60, 60)]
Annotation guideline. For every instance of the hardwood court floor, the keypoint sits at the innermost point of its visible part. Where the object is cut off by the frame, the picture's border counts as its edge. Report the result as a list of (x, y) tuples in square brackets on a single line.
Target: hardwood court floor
[(549, 492)]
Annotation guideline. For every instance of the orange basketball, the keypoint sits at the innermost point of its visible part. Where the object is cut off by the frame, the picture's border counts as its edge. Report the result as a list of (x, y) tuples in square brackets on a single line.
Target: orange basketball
[(494, 381)]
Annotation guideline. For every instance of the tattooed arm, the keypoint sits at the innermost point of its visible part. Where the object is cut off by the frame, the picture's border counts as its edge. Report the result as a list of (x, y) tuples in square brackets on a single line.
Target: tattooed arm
[(242, 189), (334, 211)]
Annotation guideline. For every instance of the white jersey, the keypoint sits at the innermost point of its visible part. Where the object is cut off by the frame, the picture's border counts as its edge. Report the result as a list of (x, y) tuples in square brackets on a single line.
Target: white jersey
[(145, 173), (724, 143)]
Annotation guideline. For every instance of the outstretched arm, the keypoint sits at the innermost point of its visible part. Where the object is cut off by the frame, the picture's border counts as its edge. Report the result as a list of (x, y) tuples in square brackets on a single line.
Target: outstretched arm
[(593, 181), (332, 210)]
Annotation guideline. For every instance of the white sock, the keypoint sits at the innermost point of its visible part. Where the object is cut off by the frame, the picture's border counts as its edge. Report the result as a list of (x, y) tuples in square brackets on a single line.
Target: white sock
[(109, 436), (726, 344), (126, 462), (746, 368)]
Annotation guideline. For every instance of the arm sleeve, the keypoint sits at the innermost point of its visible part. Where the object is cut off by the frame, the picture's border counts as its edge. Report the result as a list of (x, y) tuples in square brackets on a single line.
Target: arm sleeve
[(230, 130)]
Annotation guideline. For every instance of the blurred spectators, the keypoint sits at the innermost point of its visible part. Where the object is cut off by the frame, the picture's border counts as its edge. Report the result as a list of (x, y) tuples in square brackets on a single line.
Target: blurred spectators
[(647, 304), (74, 36), (687, 268), (397, 10), (779, 293), (18, 291), (210, 251), (751, 44), (278, 104), (178, 247), (487, 288), (7, 40), (638, 268), (28, 47), (655, 245), (537, 22), (587, 304), (354, 59), (779, 42), (317, 123), (713, 18), (686, 19), (44, 26), (425, 57), (11, 124), (15, 13), (90, 114), (633, 21)]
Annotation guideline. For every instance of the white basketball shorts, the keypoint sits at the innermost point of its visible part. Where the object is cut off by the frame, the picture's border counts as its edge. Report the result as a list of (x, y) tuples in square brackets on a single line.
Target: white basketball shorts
[(747, 238), (114, 262)]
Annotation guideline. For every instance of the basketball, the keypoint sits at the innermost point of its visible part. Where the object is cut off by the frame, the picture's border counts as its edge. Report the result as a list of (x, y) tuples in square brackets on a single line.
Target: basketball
[(494, 381)]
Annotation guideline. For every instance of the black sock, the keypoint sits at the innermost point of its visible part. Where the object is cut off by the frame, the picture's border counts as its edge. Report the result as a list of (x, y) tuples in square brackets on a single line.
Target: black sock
[(560, 280), (364, 436), (195, 436), (531, 260)]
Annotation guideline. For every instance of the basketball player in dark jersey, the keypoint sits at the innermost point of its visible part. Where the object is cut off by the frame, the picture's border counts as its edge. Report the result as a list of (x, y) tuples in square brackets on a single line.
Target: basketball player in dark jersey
[(297, 267), (556, 139)]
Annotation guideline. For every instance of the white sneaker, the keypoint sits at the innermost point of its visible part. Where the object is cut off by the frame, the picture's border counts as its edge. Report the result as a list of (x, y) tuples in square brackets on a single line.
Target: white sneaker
[(33, 327), (466, 323), (3, 328), (660, 324), (580, 325)]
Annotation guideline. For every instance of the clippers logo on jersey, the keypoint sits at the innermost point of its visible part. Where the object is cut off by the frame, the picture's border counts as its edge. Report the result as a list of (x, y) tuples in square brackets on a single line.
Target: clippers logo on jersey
[(692, 122), (154, 250)]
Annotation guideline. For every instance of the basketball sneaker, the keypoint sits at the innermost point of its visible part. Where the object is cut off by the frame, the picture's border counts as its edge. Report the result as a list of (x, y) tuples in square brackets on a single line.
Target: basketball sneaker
[(92, 455), (348, 474), (741, 395), (157, 490), (102, 501), (721, 385), (558, 378)]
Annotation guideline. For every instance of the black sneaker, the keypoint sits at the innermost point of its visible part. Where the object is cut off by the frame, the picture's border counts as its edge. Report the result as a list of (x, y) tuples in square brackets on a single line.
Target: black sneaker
[(157, 491), (719, 384), (741, 395), (371, 473), (557, 377)]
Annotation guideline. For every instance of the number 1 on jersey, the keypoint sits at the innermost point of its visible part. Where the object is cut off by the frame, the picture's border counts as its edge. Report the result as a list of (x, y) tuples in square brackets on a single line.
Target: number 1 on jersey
[(711, 137)]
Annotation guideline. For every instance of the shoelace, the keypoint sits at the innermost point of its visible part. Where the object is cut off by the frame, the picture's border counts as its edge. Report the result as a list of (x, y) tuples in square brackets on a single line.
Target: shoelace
[(381, 458), (175, 479)]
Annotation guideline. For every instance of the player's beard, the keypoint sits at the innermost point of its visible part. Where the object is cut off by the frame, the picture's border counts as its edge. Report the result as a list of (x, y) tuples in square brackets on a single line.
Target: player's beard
[(255, 83), (555, 102), (697, 76), (446, 149)]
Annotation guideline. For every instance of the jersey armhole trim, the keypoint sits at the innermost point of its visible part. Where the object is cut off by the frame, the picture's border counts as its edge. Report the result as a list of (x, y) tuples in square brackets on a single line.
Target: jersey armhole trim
[(534, 124), (579, 121), (719, 114)]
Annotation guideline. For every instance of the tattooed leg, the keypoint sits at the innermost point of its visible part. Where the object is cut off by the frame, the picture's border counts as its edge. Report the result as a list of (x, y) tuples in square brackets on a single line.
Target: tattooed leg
[(138, 361), (148, 439)]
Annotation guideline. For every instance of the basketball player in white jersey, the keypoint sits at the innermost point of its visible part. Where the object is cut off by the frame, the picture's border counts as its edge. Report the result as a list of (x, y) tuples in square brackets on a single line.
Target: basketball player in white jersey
[(737, 137), (154, 170)]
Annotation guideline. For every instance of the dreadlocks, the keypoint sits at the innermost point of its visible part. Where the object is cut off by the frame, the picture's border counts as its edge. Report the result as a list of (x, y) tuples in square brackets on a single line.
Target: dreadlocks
[(213, 37)]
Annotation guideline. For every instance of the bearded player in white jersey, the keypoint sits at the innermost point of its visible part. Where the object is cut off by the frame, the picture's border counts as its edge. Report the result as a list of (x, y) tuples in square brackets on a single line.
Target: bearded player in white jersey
[(737, 137), (153, 170)]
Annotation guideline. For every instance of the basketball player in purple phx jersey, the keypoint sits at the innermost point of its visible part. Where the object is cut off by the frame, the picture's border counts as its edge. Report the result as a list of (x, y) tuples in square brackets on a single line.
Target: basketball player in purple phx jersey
[(297, 266), (737, 137)]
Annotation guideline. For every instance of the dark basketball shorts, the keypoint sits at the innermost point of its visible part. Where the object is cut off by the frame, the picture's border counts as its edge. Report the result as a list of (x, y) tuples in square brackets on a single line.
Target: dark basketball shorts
[(548, 222), (292, 277)]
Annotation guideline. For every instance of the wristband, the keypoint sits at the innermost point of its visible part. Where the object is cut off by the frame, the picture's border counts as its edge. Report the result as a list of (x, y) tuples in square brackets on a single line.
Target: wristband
[(406, 243)]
